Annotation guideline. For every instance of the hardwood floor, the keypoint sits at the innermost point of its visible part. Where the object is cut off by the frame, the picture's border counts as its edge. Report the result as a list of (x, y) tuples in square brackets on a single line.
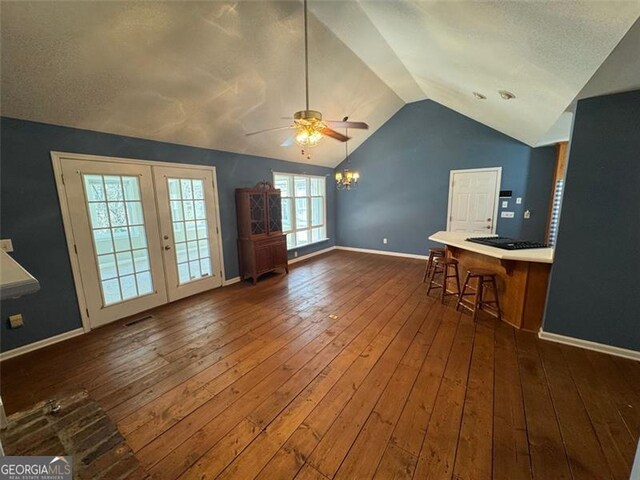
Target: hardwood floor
[(344, 369)]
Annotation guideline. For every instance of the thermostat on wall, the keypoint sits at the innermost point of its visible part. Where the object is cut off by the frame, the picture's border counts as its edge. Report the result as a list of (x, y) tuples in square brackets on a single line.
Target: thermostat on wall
[(506, 193)]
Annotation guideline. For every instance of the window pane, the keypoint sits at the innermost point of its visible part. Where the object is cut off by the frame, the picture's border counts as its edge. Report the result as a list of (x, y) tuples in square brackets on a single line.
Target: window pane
[(317, 234), (181, 252), (117, 215), (200, 210), (302, 213), (291, 240), (99, 215), (317, 186), (183, 273), (138, 237), (301, 186), (317, 211), (302, 238), (282, 182), (287, 206)]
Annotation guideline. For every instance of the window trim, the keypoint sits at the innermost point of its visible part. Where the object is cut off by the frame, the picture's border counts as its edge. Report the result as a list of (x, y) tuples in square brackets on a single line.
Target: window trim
[(294, 230)]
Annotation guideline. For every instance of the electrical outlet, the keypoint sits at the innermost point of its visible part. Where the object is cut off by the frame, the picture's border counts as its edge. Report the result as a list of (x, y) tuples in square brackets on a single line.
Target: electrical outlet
[(6, 245), (15, 321), (519, 200), (295, 254), (527, 214), (384, 240)]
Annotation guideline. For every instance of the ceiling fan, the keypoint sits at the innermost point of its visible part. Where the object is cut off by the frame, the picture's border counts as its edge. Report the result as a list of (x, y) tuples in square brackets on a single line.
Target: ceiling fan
[(308, 124)]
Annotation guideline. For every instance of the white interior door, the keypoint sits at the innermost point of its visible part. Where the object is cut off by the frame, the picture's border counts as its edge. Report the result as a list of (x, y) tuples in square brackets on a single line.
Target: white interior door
[(473, 200), (188, 223), (113, 216)]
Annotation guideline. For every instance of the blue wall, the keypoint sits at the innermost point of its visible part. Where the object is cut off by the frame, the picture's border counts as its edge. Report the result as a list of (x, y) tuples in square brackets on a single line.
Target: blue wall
[(404, 169), (31, 214), (594, 292)]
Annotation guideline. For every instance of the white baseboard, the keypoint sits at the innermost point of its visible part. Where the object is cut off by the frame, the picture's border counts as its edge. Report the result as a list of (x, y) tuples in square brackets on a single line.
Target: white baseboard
[(596, 347), (384, 252), (230, 281), (309, 255), (40, 344)]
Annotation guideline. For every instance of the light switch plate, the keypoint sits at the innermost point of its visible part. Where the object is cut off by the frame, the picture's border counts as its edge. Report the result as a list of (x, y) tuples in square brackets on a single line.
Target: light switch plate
[(6, 245), (505, 204), (519, 200), (507, 214), (16, 321)]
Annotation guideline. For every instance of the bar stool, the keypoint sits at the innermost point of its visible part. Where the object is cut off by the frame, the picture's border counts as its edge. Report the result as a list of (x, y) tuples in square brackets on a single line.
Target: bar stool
[(486, 279), (433, 253), (444, 266)]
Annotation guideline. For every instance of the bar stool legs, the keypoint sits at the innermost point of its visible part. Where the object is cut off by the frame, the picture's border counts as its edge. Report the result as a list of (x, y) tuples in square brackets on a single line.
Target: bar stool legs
[(433, 253), (486, 280), (447, 268)]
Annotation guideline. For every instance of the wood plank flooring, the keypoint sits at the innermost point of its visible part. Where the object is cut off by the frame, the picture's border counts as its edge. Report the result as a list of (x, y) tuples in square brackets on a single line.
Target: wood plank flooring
[(343, 369)]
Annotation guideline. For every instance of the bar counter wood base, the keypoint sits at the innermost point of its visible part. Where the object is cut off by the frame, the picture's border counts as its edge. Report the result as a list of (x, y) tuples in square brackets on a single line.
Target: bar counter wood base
[(522, 279), (522, 286)]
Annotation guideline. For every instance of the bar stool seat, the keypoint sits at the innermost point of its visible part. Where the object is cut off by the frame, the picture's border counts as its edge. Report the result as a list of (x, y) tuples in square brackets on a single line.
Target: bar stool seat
[(433, 253), (486, 279), (447, 268)]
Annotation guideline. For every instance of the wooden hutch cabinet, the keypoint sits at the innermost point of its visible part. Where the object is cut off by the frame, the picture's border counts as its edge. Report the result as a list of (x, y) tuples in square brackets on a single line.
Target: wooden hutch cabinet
[(262, 247)]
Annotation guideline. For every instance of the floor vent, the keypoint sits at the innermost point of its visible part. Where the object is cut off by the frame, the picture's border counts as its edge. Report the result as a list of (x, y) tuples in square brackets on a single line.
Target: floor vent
[(138, 320)]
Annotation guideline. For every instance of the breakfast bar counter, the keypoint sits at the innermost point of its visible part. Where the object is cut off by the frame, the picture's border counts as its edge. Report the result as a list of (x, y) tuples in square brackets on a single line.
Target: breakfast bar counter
[(522, 275)]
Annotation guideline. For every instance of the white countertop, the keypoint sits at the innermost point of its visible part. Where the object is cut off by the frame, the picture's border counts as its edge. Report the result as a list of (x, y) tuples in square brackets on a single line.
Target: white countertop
[(457, 239), (15, 281)]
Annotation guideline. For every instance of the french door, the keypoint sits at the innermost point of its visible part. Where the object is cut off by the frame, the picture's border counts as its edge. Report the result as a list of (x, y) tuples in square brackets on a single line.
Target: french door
[(143, 235)]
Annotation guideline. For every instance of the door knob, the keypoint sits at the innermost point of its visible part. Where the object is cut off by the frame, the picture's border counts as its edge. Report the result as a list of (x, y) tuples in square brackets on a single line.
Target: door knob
[(167, 247)]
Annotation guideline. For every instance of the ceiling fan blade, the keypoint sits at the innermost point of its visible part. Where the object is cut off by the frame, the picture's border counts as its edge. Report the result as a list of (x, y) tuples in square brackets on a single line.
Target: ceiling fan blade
[(343, 124), (288, 142), (267, 130), (333, 134)]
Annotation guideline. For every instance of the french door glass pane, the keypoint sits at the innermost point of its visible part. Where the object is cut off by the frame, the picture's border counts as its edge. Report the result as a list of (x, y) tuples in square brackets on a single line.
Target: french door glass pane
[(119, 237), (190, 228), (317, 211), (302, 213)]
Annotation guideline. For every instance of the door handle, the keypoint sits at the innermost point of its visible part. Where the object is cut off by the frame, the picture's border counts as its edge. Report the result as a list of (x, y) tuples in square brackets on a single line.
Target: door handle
[(167, 247)]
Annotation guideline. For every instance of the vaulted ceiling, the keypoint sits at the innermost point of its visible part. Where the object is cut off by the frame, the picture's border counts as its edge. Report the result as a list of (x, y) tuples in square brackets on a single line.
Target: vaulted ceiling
[(206, 73)]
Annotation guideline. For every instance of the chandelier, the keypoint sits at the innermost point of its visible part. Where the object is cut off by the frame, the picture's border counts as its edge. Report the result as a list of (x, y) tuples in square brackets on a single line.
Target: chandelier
[(346, 179)]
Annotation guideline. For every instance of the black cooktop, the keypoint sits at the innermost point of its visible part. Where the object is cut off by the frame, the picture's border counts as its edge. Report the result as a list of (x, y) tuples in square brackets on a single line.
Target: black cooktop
[(506, 243)]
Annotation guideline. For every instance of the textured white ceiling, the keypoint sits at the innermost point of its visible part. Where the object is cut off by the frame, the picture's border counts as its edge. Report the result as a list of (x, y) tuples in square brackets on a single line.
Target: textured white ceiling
[(195, 73), (204, 73), (543, 52)]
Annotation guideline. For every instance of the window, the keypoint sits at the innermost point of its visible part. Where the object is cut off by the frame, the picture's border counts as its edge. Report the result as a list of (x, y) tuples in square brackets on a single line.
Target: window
[(303, 208)]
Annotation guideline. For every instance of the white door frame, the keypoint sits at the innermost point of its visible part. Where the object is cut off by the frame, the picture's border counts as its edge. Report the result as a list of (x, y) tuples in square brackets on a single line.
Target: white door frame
[(56, 160), (476, 170)]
